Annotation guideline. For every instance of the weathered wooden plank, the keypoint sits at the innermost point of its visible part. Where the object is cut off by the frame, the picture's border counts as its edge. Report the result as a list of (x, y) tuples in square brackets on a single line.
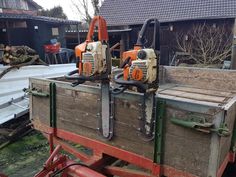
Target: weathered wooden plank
[(225, 143), (76, 116), (82, 116), (129, 117), (194, 96), (186, 155), (203, 91), (214, 79), (137, 146), (187, 100), (185, 148)]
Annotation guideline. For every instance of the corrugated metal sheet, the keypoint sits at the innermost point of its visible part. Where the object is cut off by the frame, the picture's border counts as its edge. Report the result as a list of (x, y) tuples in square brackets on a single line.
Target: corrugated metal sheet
[(14, 109), (13, 83)]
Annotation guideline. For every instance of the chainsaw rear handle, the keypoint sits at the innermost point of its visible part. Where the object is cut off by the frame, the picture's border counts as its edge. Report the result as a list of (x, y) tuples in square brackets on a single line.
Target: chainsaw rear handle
[(102, 29), (142, 87), (140, 40)]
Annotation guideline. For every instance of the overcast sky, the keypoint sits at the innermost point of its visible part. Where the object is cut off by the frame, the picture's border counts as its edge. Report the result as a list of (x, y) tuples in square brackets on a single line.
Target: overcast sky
[(65, 4)]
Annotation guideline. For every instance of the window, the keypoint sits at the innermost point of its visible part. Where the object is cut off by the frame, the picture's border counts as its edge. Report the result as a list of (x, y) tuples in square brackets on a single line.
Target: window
[(17, 24), (55, 31), (20, 24), (2, 24)]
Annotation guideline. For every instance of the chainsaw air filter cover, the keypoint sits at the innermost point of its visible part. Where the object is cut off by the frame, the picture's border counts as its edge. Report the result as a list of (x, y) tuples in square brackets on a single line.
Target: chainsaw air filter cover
[(94, 59), (145, 67)]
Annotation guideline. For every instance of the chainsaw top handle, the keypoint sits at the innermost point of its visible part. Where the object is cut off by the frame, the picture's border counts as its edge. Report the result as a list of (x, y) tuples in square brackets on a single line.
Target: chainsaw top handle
[(156, 30), (102, 29)]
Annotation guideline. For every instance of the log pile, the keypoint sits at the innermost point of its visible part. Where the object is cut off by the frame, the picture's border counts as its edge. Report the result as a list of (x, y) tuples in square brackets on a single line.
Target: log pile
[(18, 56)]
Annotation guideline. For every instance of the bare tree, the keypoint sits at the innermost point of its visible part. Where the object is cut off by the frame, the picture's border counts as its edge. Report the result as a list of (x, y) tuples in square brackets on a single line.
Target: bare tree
[(82, 8), (205, 44), (95, 4)]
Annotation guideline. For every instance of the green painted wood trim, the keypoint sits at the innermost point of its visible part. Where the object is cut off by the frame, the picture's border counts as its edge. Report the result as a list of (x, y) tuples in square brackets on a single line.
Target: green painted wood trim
[(53, 115), (233, 140), (159, 129)]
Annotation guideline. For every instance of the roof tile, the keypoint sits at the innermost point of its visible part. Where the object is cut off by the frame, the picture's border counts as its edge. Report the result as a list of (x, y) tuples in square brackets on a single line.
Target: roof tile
[(127, 12)]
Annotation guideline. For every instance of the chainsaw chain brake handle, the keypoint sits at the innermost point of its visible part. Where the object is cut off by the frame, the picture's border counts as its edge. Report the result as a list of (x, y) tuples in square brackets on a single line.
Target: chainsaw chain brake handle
[(80, 49)]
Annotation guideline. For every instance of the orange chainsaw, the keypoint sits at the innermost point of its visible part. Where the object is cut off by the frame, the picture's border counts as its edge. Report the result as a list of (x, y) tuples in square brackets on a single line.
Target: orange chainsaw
[(94, 64), (140, 65), (140, 70), (94, 60)]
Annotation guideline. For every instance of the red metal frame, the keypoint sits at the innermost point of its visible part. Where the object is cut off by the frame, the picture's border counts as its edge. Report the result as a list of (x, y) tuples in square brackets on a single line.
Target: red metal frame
[(99, 147), (104, 155), (57, 161), (230, 158)]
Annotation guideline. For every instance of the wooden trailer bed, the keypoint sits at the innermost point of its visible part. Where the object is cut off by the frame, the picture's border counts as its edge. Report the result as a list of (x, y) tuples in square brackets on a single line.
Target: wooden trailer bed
[(190, 95)]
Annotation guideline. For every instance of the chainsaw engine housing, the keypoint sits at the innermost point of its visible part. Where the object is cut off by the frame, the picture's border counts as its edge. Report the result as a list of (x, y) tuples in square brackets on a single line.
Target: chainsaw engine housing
[(144, 69), (94, 59)]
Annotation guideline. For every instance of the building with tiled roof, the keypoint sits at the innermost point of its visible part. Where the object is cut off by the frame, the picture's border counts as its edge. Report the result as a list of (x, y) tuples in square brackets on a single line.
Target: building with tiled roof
[(173, 15), (133, 12), (20, 24)]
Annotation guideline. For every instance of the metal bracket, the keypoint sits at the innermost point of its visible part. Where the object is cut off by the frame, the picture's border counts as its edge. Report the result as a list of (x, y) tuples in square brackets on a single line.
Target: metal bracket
[(36, 92), (159, 129), (200, 124), (53, 116)]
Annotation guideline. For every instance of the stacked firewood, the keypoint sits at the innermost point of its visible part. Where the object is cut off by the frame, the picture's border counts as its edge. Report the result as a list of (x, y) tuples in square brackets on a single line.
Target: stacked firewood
[(1, 52), (18, 54)]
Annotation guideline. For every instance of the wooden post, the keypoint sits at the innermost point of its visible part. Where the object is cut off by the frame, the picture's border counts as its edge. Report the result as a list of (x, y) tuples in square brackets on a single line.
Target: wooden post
[(234, 32), (122, 46), (233, 55), (8, 35)]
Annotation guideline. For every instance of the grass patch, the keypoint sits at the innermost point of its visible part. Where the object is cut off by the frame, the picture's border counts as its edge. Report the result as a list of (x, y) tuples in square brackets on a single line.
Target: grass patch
[(24, 157)]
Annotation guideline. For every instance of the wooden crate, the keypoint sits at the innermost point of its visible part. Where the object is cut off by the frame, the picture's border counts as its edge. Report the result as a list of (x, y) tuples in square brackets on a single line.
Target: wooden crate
[(208, 93), (186, 91)]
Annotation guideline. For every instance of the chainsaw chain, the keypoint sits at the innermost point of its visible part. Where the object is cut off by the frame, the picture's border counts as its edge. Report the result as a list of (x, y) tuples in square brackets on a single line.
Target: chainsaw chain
[(147, 135)]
